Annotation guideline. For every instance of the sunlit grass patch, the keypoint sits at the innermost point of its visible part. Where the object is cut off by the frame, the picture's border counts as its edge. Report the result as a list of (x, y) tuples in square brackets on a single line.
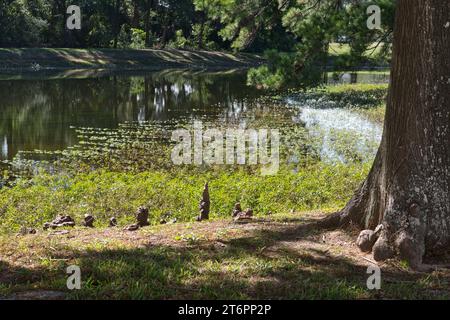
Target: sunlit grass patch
[(271, 259), (107, 194)]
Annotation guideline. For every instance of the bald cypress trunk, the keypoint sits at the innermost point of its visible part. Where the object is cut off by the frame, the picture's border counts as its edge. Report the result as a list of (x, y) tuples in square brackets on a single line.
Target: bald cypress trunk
[(408, 188)]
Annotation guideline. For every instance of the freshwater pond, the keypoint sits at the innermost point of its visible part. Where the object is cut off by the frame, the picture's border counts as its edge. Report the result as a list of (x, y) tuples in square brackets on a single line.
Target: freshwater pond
[(41, 113)]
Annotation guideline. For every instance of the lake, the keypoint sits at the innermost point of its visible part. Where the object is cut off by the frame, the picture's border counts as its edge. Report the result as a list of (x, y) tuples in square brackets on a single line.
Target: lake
[(39, 112)]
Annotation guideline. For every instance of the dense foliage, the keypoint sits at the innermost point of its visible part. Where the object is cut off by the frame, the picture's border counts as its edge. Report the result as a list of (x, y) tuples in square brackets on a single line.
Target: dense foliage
[(251, 25), (296, 35), (327, 33)]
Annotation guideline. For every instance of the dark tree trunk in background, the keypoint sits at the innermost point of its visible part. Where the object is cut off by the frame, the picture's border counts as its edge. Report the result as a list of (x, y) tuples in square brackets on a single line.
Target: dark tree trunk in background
[(117, 24), (136, 16), (204, 15), (408, 188), (149, 8), (200, 34)]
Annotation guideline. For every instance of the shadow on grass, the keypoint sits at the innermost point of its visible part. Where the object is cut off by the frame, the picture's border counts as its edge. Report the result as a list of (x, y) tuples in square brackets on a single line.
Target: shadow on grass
[(242, 268), (63, 58)]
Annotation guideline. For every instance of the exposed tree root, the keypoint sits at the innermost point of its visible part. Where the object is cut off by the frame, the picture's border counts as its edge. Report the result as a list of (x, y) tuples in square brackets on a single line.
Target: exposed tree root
[(406, 241)]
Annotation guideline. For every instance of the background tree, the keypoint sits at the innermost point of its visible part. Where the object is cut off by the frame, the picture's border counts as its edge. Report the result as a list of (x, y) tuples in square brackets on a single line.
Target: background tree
[(315, 24), (302, 28), (408, 188), (22, 22)]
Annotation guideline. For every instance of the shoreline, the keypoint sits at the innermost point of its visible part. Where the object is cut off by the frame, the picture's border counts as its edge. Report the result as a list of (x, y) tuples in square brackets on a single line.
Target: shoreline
[(25, 60), (58, 74)]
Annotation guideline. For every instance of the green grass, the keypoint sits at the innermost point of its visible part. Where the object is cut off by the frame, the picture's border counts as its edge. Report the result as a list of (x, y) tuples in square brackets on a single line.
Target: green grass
[(362, 72), (366, 99), (118, 179), (150, 59), (362, 88), (106, 194), (338, 49), (276, 259), (375, 114), (277, 256), (341, 57)]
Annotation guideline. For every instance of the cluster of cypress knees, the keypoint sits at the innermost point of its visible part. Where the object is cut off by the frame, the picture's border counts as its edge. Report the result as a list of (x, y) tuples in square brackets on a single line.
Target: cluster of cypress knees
[(142, 216)]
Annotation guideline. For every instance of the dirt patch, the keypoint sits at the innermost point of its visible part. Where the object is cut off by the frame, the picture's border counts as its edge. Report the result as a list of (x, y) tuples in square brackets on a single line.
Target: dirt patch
[(38, 295), (265, 258)]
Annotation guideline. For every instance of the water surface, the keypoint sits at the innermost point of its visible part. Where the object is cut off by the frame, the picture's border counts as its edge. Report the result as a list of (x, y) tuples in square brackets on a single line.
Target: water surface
[(39, 112)]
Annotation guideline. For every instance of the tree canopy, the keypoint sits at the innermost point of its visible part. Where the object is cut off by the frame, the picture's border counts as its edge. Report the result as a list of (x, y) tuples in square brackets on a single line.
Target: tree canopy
[(295, 35), (242, 25)]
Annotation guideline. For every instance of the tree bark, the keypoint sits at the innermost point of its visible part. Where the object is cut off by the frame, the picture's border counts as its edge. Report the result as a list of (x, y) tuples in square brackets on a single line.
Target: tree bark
[(200, 34), (136, 15), (117, 24), (149, 8), (408, 187)]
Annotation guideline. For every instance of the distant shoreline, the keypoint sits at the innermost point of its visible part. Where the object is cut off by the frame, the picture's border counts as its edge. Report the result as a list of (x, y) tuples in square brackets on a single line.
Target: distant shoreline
[(14, 60), (59, 74)]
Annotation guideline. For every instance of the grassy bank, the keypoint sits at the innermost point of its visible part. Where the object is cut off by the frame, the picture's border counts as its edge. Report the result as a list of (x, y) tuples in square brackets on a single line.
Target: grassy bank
[(340, 56), (34, 59), (280, 254), (111, 172), (105, 194), (281, 257), (368, 100)]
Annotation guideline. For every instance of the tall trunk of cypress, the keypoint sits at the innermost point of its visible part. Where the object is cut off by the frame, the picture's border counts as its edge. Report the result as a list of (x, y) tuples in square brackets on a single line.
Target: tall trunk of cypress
[(408, 188)]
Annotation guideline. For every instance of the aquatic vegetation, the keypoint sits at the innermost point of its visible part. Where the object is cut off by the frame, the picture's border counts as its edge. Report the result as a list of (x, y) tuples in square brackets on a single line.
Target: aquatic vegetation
[(344, 96), (341, 135), (345, 122), (326, 150)]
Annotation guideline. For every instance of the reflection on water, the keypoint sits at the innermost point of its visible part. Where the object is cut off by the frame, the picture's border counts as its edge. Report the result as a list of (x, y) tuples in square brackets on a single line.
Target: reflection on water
[(335, 126), (358, 77), (5, 147), (38, 114)]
